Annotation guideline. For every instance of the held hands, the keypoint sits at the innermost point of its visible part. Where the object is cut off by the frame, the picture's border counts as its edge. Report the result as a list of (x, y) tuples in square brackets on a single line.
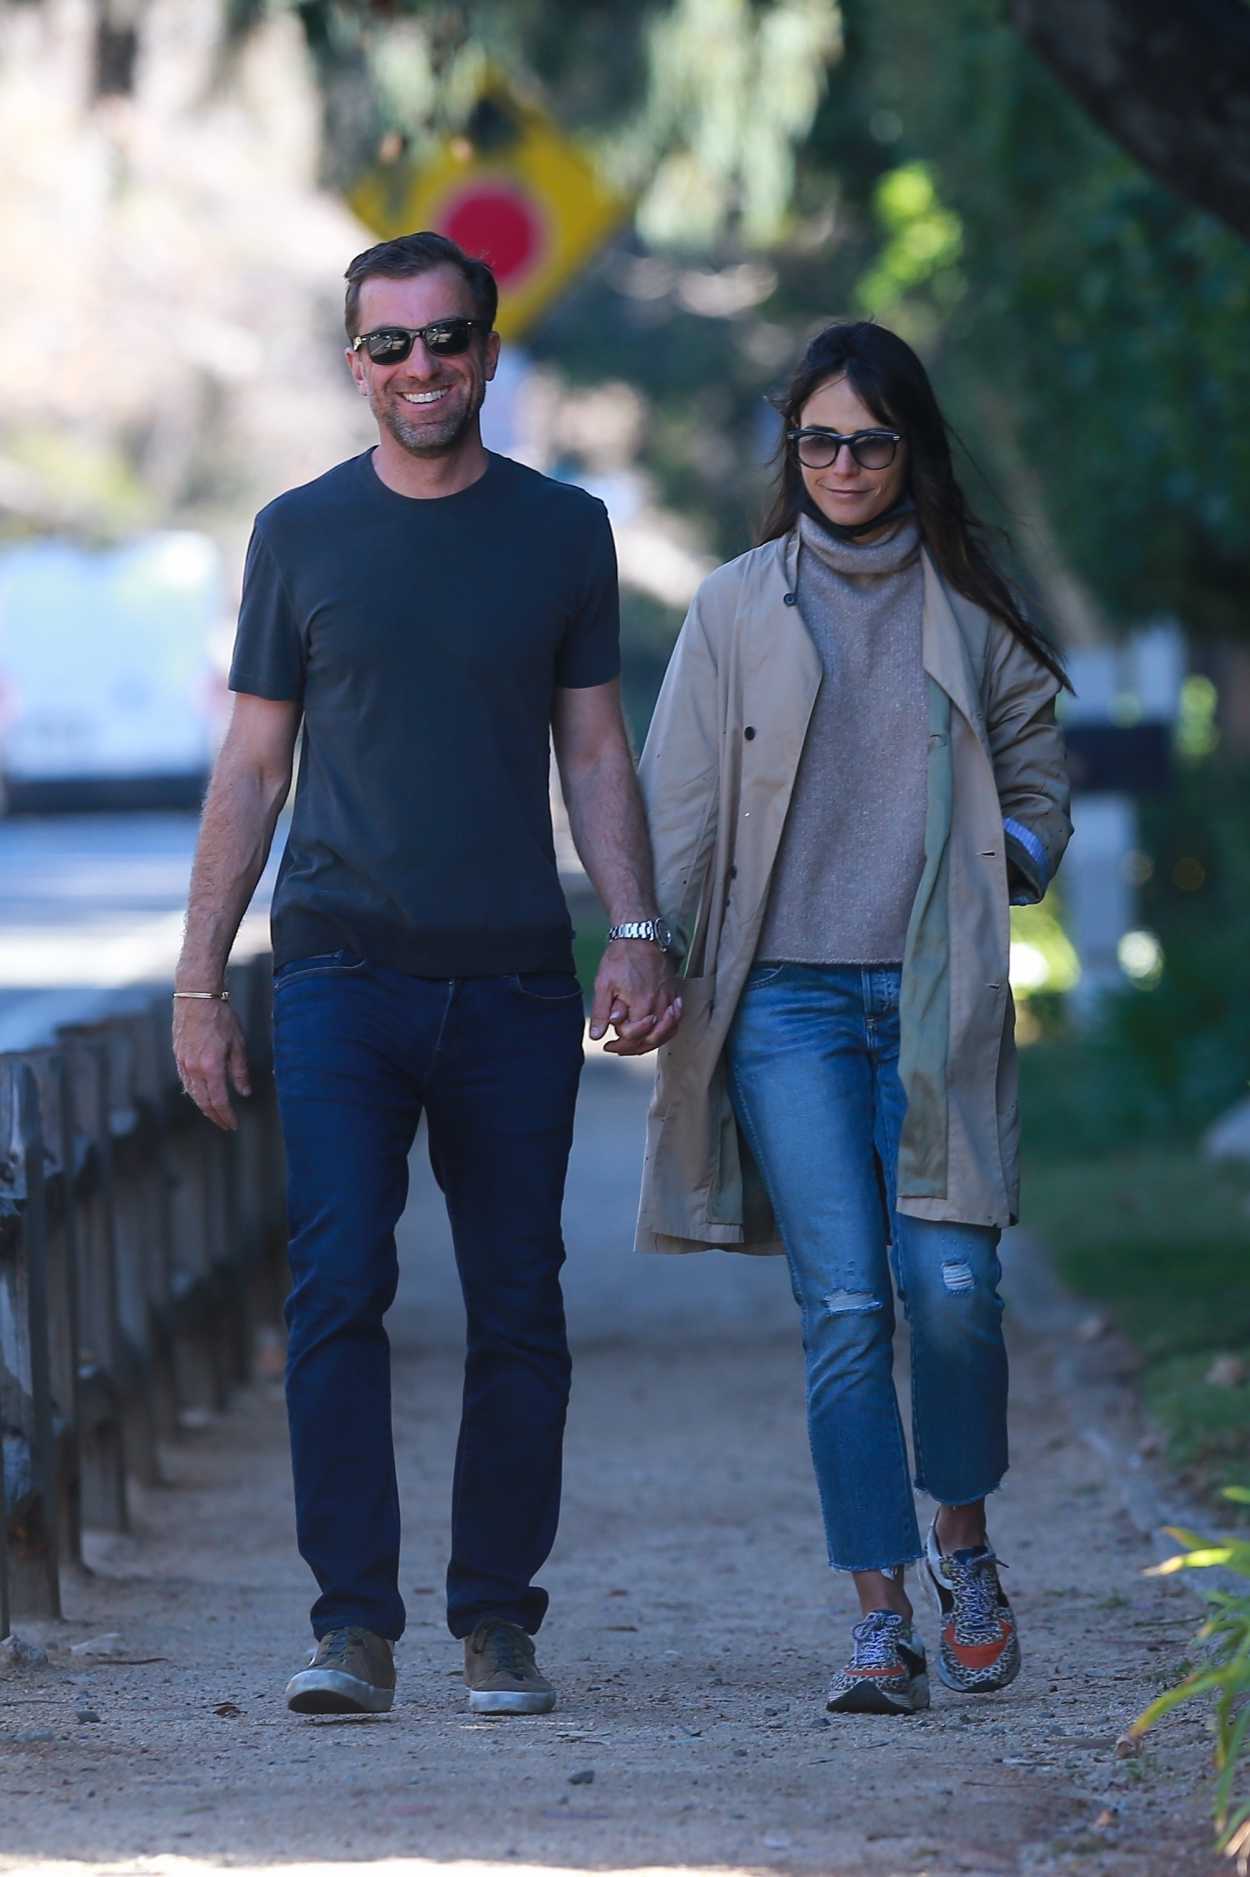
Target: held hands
[(208, 1048), (635, 992)]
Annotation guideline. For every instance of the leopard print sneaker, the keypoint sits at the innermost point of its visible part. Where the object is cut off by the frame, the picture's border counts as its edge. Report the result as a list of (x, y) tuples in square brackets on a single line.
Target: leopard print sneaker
[(887, 1672), (979, 1649)]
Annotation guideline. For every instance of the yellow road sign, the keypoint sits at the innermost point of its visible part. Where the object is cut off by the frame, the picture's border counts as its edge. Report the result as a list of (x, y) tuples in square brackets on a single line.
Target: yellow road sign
[(514, 192)]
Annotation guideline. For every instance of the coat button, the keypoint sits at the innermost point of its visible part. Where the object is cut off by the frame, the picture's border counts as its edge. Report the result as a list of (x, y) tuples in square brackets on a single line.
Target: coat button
[(791, 599), (749, 732), (733, 873)]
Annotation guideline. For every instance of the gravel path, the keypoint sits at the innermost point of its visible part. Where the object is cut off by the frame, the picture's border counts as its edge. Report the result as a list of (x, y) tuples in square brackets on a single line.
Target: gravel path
[(693, 1625)]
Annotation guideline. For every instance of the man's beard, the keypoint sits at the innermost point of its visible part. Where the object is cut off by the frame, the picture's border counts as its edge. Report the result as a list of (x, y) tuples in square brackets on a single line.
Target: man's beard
[(425, 439)]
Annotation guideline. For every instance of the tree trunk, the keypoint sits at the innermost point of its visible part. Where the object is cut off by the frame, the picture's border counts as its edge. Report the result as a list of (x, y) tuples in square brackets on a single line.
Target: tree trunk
[(116, 50), (1170, 83)]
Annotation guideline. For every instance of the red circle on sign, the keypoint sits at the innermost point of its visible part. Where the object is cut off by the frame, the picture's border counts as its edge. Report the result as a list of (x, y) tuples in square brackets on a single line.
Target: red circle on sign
[(499, 224)]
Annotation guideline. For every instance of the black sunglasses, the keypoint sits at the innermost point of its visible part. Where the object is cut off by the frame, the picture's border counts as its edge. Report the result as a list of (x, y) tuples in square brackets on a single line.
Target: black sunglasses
[(818, 448), (445, 338)]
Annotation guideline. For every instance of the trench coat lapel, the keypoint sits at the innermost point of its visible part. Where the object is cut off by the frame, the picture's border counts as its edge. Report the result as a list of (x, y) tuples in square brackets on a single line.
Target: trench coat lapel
[(787, 650), (946, 653)]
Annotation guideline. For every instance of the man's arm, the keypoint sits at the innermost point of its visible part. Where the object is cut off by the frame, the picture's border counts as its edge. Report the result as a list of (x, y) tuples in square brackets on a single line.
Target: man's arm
[(251, 778), (634, 988)]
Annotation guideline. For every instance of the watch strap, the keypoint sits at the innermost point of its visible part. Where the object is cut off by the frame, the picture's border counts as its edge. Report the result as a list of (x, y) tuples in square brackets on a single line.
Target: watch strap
[(636, 929)]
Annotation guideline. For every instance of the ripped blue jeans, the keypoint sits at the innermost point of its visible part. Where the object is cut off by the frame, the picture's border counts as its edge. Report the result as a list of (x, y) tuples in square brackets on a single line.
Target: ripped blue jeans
[(813, 1059)]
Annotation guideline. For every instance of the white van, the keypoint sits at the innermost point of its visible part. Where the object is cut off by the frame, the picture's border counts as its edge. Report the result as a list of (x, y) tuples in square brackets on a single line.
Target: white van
[(112, 683)]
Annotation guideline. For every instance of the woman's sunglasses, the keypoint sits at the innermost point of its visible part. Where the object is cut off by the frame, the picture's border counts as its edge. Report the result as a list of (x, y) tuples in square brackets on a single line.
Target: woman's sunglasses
[(444, 338), (818, 448)]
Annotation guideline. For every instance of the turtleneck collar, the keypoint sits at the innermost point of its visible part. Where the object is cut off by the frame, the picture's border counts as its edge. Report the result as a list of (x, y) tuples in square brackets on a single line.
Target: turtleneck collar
[(848, 556)]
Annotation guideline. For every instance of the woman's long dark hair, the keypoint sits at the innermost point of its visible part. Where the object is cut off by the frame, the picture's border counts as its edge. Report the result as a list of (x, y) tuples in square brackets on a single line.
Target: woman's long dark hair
[(886, 375)]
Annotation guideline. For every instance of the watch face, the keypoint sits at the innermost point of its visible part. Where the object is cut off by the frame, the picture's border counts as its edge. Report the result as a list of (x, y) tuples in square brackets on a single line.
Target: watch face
[(664, 934)]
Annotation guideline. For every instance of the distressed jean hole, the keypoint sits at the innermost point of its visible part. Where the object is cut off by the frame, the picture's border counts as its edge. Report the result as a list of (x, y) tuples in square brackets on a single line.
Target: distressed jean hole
[(839, 1301), (957, 1274)]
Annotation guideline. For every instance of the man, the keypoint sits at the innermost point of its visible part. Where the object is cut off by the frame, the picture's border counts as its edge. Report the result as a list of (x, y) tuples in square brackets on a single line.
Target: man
[(434, 613)]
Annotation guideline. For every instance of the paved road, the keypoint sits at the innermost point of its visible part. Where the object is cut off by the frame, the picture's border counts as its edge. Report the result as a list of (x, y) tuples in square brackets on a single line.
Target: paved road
[(93, 904)]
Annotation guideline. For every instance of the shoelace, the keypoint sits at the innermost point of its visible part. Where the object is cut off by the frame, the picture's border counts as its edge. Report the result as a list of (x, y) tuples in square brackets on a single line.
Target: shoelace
[(975, 1588), (510, 1651), (876, 1640), (335, 1646)]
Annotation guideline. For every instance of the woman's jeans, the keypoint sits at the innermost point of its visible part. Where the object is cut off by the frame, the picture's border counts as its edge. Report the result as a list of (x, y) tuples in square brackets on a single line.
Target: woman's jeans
[(361, 1051), (813, 1056)]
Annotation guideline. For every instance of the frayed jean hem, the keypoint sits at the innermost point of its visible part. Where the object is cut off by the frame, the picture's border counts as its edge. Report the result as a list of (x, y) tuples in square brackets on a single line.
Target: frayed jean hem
[(900, 1564)]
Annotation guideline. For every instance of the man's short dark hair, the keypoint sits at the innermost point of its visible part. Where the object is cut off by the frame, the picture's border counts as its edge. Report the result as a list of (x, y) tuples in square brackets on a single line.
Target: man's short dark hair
[(409, 255)]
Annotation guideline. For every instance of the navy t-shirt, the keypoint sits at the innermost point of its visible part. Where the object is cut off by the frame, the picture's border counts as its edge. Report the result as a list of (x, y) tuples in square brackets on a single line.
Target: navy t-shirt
[(424, 640)]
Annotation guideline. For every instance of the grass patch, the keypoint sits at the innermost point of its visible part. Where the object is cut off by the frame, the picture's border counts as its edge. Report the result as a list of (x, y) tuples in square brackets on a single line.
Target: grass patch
[(1210, 1425), (1161, 1239)]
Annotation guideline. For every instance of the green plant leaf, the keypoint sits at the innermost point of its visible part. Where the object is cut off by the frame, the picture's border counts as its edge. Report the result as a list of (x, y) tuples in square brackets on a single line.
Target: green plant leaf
[(1198, 1684), (1193, 1561), (1183, 1536)]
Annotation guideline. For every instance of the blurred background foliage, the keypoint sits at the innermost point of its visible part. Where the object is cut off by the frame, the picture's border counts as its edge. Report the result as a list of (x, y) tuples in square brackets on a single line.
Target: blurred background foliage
[(912, 163), (788, 160), (1167, 1054)]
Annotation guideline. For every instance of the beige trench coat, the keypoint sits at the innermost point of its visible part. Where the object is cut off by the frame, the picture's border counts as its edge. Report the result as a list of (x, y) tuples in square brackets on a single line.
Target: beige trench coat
[(717, 772)]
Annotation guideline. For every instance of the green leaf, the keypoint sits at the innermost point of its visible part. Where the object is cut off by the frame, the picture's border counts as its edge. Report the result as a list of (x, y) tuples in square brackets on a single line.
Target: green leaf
[(1202, 1683), (1184, 1536), (1193, 1561)]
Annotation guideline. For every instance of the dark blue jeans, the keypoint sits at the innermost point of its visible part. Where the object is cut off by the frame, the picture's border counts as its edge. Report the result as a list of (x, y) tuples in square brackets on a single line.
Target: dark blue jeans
[(360, 1052)]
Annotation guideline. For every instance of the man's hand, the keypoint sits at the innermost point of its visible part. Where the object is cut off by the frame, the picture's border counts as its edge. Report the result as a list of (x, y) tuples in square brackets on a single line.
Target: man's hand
[(635, 992), (208, 1048)]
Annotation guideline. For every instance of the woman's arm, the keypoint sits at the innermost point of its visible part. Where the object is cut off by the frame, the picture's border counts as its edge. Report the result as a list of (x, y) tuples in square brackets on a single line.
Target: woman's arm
[(1030, 765)]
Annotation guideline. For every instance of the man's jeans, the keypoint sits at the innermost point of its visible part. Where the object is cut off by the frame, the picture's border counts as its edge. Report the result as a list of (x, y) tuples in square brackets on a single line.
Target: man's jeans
[(360, 1052), (814, 1080)]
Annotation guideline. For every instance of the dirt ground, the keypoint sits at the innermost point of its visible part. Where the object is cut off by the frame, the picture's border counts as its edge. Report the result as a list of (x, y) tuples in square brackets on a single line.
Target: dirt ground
[(692, 1629)]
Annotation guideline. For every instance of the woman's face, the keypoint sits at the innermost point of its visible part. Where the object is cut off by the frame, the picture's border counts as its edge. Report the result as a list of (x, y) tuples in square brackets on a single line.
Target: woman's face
[(845, 492)]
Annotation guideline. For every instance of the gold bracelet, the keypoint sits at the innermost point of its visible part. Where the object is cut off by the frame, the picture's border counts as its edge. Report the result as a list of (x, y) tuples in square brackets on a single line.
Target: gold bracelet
[(218, 997)]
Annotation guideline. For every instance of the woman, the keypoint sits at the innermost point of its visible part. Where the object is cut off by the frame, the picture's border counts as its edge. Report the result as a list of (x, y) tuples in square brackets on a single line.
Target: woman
[(853, 767)]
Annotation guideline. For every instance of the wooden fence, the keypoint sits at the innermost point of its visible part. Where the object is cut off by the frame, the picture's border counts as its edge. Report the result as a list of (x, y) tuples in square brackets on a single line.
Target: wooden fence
[(139, 1247)]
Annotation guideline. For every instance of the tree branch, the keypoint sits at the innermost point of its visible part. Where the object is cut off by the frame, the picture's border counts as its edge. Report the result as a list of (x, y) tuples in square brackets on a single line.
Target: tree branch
[(1170, 83)]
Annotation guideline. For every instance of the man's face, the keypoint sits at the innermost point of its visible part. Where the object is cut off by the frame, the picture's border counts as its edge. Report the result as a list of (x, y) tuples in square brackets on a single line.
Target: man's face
[(429, 402)]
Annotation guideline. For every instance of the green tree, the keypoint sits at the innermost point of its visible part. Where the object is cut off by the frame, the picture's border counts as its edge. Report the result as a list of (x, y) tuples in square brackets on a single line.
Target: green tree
[(1086, 324), (794, 160)]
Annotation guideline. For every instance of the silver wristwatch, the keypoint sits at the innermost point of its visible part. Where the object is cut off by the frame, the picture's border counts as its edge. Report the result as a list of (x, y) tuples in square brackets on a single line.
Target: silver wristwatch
[(658, 931)]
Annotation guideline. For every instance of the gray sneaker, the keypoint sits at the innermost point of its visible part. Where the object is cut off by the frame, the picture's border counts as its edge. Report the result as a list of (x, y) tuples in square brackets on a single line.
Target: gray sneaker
[(351, 1671), (500, 1671)]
